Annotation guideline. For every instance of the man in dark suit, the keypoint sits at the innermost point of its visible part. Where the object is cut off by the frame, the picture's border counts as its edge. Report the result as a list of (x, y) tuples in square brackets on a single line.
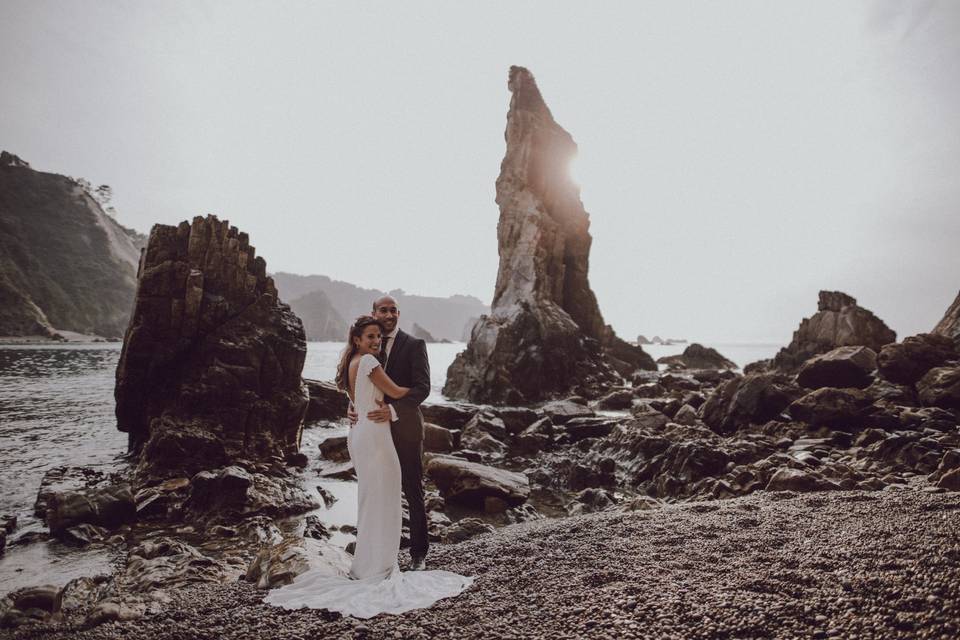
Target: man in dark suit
[(405, 359)]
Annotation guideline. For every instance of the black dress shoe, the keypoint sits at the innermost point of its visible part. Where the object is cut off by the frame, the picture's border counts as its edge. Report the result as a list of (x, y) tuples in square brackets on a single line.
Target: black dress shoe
[(418, 563)]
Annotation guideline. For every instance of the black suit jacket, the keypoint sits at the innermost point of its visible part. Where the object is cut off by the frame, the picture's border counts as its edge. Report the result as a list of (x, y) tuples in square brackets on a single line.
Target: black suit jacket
[(408, 367)]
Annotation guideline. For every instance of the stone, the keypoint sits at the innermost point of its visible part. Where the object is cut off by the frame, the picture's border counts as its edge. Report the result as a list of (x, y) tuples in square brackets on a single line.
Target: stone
[(940, 387), (210, 351), (326, 401), (786, 479), (686, 415), (906, 362), (108, 506), (562, 411), (335, 448), (82, 535), (752, 399), (545, 335), (591, 500), (649, 390), (580, 428), (841, 367), (438, 439), (949, 325), (464, 529), (617, 399), (484, 422), (536, 437), (832, 407), (454, 415), (697, 356), (950, 480), (279, 564), (516, 419), (469, 482), (44, 597), (839, 322)]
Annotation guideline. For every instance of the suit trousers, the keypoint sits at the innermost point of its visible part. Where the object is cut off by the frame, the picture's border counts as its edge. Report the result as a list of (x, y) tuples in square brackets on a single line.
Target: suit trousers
[(410, 453)]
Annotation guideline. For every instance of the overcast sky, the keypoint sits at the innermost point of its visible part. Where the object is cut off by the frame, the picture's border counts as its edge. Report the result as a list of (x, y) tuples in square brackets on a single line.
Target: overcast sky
[(735, 157)]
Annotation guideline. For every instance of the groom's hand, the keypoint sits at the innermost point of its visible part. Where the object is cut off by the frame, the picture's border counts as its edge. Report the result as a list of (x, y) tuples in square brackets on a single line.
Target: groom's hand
[(381, 414)]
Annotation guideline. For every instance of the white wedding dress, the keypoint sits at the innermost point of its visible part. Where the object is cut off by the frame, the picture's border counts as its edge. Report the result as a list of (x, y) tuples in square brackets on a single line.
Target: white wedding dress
[(375, 583)]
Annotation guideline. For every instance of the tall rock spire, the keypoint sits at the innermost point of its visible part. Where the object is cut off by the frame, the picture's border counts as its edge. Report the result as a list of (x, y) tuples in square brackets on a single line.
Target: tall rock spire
[(545, 334)]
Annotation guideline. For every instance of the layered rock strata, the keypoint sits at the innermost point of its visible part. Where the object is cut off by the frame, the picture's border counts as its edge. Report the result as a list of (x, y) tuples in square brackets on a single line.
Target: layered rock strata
[(211, 361), (839, 322), (545, 334)]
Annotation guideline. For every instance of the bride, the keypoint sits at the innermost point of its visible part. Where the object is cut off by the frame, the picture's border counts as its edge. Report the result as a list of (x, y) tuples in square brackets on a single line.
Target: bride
[(375, 583)]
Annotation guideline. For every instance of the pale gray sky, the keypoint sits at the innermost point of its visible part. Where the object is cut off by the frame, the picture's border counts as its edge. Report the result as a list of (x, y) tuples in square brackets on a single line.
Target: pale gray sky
[(735, 157)]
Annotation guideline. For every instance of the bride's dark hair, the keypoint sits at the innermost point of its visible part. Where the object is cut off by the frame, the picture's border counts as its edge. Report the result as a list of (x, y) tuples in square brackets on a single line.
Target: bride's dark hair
[(356, 330)]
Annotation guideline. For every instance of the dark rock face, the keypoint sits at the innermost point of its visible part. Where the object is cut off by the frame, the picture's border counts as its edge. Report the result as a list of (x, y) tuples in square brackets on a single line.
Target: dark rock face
[(754, 398), (64, 263), (949, 325), (697, 356), (211, 361), (326, 401), (906, 362), (831, 407), (545, 335), (839, 322), (841, 367)]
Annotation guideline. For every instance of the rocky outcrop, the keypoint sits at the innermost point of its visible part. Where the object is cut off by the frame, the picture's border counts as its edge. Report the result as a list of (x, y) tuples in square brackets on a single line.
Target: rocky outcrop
[(321, 322), (841, 367), (906, 362), (64, 263), (949, 325), (419, 332), (839, 322), (753, 399), (545, 335), (696, 356), (211, 361)]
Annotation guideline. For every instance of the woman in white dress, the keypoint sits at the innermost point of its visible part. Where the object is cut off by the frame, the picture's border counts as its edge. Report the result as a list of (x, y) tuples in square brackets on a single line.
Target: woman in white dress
[(375, 583)]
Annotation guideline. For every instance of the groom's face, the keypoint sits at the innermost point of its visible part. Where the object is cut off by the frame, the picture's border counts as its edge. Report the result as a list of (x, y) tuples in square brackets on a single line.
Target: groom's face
[(385, 310)]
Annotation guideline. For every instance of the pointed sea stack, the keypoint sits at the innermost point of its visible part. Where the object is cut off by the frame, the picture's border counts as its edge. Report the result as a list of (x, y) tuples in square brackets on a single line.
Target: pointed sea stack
[(211, 361), (839, 322), (949, 325), (545, 335)]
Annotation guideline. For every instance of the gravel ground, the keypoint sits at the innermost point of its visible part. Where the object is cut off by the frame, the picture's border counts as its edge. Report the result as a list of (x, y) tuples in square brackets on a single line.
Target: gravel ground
[(837, 564)]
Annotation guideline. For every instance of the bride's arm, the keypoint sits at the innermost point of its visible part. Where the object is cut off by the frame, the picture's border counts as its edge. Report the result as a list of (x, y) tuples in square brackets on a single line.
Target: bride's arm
[(383, 382)]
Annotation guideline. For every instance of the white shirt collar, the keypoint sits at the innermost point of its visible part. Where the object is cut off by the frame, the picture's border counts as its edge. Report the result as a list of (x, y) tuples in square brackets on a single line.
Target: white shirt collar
[(393, 334)]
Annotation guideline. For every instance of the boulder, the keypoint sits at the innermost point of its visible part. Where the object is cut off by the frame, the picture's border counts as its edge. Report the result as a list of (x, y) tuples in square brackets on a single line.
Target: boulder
[(906, 362), (335, 448), (581, 428), (464, 529), (839, 322), (469, 482), (326, 401), (211, 351), (617, 399), (832, 407), (562, 411), (516, 419), (787, 479), (109, 506), (840, 367), (454, 415), (545, 335), (439, 439), (752, 399), (940, 387), (279, 564), (697, 356)]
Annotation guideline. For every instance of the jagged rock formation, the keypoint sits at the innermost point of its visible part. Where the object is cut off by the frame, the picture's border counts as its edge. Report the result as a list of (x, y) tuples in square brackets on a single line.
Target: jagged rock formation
[(839, 322), (443, 317), (211, 362), (697, 356), (321, 322), (949, 325), (64, 263), (545, 335)]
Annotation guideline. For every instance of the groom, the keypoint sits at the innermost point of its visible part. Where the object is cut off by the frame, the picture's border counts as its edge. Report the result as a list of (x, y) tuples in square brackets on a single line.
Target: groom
[(405, 361)]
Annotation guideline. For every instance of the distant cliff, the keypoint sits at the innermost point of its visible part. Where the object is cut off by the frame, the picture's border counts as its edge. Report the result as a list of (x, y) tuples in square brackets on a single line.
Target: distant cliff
[(442, 317), (321, 322), (64, 263)]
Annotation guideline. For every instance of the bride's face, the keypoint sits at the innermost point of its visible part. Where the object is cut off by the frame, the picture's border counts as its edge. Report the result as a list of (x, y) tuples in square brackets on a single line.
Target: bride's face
[(369, 340)]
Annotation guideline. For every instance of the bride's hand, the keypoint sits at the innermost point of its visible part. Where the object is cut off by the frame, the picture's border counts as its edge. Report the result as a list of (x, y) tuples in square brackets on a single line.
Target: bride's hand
[(382, 414)]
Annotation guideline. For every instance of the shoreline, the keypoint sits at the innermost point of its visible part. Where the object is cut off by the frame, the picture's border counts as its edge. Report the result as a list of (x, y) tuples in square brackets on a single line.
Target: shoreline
[(770, 564)]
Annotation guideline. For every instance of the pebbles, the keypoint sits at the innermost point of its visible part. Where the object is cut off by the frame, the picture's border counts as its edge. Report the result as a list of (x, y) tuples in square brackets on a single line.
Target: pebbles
[(838, 564)]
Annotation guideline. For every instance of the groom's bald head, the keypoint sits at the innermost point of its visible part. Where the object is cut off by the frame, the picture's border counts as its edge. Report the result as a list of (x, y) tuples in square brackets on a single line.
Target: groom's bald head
[(385, 310)]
